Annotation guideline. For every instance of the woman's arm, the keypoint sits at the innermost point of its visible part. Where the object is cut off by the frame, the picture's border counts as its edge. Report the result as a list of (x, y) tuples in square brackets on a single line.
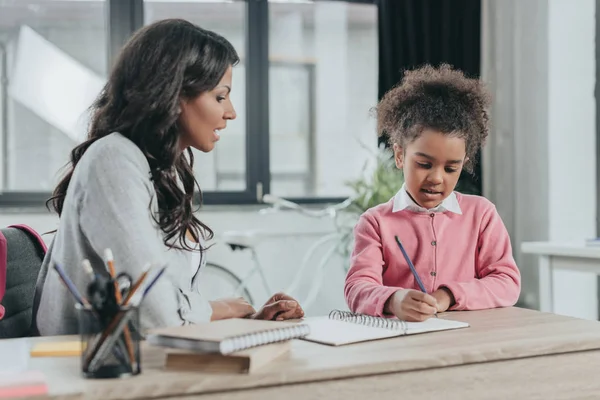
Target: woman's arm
[(114, 212)]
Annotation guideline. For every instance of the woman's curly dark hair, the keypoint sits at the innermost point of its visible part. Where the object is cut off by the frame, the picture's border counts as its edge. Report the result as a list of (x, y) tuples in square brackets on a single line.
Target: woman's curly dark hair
[(441, 99), (161, 64)]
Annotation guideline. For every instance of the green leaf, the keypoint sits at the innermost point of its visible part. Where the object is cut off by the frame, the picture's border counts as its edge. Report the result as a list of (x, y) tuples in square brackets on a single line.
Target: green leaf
[(378, 187)]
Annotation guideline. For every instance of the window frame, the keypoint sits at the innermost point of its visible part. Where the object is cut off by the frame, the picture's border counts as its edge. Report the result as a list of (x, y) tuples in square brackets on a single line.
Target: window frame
[(123, 17), (597, 98)]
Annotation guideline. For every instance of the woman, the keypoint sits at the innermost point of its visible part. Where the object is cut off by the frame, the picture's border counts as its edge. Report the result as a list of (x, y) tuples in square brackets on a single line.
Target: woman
[(130, 185)]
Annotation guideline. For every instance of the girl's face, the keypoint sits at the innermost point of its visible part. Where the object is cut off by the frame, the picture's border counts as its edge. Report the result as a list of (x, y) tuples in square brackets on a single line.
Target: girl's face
[(432, 164), (203, 117)]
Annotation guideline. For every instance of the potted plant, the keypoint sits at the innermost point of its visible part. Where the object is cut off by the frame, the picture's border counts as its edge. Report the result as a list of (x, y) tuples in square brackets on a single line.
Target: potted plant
[(380, 181)]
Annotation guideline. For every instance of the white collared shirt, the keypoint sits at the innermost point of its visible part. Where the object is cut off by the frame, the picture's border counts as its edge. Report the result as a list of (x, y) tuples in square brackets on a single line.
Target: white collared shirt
[(403, 201)]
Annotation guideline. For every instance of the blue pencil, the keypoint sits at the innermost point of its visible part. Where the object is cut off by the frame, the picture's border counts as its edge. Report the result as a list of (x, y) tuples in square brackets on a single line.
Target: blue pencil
[(149, 286), (69, 284), (412, 267)]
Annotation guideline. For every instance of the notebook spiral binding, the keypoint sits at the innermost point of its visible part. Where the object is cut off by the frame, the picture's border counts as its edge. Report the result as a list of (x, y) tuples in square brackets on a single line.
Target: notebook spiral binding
[(250, 340), (368, 320)]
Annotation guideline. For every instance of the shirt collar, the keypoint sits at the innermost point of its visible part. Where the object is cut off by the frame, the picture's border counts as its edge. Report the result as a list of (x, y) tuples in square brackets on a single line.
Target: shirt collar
[(403, 201)]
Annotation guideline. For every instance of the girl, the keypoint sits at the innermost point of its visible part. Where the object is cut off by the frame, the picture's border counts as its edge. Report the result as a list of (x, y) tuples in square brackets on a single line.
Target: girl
[(130, 184), (436, 120)]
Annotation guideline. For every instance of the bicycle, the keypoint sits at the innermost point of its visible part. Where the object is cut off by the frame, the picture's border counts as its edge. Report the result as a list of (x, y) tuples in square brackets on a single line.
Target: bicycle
[(221, 281)]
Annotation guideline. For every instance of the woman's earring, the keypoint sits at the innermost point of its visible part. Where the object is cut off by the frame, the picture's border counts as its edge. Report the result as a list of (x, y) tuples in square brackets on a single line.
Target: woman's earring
[(178, 110)]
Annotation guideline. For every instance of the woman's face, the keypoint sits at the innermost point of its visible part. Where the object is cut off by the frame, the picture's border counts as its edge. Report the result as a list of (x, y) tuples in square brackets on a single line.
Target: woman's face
[(203, 117)]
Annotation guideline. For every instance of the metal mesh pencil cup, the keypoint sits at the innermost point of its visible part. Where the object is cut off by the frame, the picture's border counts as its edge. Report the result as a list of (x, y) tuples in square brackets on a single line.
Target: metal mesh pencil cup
[(110, 344)]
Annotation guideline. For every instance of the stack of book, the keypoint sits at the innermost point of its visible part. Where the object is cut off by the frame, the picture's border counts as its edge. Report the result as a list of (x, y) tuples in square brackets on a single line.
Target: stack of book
[(227, 346)]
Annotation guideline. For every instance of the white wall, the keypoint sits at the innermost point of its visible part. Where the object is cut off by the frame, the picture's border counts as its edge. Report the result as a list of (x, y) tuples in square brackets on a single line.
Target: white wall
[(572, 145), (539, 166)]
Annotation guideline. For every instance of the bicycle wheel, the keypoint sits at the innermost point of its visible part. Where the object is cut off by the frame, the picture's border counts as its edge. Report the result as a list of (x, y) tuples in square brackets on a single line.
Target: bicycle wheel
[(217, 282)]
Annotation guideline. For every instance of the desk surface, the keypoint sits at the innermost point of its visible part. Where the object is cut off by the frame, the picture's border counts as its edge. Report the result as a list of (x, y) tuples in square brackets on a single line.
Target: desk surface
[(500, 334)]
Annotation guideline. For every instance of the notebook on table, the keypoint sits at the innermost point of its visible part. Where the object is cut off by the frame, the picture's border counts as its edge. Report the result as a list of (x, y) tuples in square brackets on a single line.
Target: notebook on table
[(344, 327), (227, 336)]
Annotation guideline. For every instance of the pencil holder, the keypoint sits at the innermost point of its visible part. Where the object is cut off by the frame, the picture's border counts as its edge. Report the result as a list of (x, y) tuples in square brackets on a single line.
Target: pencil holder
[(110, 344)]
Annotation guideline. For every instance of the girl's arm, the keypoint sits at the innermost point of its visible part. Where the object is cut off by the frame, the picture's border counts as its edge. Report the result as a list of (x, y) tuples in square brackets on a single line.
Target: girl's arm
[(498, 281), (364, 289)]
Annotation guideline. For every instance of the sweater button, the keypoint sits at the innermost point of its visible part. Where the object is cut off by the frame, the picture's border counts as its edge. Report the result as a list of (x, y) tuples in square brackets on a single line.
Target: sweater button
[(432, 215), (433, 243), (433, 273)]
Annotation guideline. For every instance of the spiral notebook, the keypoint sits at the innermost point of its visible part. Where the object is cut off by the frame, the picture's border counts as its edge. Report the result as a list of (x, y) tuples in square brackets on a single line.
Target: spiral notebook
[(344, 327), (226, 336)]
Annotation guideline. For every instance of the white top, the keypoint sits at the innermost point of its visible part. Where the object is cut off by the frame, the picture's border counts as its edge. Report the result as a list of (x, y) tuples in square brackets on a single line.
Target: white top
[(111, 203), (403, 201)]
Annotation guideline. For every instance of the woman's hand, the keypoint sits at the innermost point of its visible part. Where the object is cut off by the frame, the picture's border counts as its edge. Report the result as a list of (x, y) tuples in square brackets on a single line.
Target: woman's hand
[(231, 308), (280, 307), (411, 305)]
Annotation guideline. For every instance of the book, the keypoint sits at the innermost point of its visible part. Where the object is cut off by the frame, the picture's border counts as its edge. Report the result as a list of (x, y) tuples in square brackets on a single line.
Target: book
[(28, 384), (226, 336), (344, 327), (56, 349), (241, 362)]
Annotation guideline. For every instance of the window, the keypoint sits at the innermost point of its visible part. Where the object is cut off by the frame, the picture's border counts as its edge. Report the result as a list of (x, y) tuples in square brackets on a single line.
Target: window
[(322, 83), (223, 169), (302, 138), (52, 65)]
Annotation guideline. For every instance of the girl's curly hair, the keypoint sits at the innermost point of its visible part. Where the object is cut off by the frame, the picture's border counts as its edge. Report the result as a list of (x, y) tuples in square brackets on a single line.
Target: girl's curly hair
[(441, 99)]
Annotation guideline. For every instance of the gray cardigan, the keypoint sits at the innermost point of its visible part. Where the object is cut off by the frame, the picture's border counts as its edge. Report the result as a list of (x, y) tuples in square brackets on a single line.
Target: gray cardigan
[(108, 205)]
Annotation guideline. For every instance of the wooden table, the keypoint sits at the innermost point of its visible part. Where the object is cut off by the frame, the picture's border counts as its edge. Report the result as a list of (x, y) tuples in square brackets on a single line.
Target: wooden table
[(505, 353)]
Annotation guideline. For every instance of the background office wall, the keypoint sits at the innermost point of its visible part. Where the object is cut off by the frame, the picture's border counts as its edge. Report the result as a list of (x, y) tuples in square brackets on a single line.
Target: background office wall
[(540, 163)]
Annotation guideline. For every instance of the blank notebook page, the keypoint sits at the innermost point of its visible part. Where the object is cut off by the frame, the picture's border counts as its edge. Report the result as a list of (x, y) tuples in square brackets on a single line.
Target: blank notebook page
[(336, 333)]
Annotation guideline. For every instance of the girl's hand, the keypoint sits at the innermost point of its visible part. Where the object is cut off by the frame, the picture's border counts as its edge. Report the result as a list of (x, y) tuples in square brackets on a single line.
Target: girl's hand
[(280, 307), (411, 305), (231, 308), (445, 299)]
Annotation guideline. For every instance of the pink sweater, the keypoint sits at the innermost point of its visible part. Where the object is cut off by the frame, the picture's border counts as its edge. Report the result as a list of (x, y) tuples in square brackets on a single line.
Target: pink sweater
[(470, 254)]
